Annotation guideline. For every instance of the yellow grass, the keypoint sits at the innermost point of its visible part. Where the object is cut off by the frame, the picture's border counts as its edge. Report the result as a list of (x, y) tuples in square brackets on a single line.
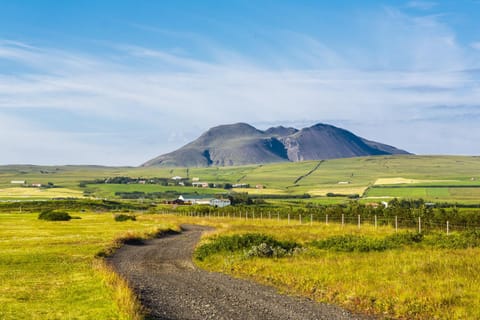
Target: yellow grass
[(337, 190), (400, 180), (410, 283), (18, 192)]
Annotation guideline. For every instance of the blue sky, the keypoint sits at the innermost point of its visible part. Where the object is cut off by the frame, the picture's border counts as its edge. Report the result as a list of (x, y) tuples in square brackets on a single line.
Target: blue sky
[(119, 82)]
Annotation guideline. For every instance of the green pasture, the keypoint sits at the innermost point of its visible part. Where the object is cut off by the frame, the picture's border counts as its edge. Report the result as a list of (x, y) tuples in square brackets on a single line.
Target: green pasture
[(108, 190), (47, 268), (447, 194), (340, 176)]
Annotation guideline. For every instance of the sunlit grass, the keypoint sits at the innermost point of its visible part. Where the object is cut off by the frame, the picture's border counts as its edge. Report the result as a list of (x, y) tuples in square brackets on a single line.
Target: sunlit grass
[(411, 283), (48, 270)]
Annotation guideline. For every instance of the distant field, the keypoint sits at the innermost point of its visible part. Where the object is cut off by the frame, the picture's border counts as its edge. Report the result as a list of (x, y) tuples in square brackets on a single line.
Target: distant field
[(38, 193), (428, 193), (108, 190), (341, 176)]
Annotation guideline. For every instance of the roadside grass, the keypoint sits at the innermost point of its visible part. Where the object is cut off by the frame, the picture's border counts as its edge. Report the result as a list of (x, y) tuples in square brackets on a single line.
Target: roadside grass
[(411, 282), (48, 270)]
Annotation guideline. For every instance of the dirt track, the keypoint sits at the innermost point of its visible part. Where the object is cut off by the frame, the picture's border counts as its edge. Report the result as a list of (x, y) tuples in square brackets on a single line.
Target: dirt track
[(171, 287)]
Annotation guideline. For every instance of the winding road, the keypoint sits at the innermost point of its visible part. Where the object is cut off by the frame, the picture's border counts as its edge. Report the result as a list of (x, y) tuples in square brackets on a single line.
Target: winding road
[(170, 286)]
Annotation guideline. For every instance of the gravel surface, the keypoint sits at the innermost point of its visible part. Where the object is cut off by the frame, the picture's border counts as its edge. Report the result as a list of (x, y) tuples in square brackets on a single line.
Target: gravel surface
[(162, 273)]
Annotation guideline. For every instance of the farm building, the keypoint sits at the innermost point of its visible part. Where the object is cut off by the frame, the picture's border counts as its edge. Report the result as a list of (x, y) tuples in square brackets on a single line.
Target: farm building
[(240, 185), (200, 184), (202, 200), (18, 182), (220, 203)]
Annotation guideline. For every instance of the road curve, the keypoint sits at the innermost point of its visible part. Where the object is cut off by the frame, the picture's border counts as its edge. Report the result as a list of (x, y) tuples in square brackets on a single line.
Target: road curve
[(170, 286)]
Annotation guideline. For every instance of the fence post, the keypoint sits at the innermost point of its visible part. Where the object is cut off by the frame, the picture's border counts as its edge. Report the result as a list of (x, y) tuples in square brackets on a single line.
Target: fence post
[(359, 221), (448, 228), (289, 218), (270, 216), (375, 222), (396, 224), (278, 216), (326, 219), (300, 218), (311, 219), (419, 225), (261, 215), (343, 219)]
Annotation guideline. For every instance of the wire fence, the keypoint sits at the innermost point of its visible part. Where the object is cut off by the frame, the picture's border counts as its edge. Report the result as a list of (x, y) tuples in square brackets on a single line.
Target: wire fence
[(419, 224)]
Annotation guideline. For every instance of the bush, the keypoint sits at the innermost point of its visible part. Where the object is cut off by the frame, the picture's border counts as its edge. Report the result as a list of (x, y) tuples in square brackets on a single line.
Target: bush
[(124, 217), (349, 243), (266, 244), (54, 216)]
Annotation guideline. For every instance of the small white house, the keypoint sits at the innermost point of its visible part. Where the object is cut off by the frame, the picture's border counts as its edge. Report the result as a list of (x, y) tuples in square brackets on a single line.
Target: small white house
[(220, 203), (177, 178), (200, 184), (18, 182)]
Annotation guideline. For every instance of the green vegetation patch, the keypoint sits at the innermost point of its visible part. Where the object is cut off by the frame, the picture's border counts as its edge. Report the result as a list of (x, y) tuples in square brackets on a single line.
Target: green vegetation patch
[(124, 217), (350, 243), (358, 243), (254, 244), (54, 216)]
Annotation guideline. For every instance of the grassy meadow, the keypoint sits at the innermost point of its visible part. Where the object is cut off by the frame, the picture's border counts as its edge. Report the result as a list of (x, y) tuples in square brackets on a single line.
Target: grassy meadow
[(48, 270), (407, 283), (434, 178)]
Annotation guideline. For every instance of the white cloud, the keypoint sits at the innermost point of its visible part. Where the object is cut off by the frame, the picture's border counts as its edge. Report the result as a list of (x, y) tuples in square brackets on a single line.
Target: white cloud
[(387, 98)]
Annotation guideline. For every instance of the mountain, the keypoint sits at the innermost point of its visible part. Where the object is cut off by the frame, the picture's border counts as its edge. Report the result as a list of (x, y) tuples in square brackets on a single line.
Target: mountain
[(241, 143)]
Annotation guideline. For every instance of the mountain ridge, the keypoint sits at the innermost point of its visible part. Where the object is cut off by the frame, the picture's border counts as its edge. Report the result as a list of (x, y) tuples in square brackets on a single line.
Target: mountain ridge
[(242, 144)]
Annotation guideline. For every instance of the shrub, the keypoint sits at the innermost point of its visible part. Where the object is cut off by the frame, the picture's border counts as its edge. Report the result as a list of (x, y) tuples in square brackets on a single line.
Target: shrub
[(266, 244), (349, 243), (54, 216), (124, 217)]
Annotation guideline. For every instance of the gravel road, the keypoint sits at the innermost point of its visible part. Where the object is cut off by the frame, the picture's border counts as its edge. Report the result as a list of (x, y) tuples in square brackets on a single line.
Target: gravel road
[(162, 273)]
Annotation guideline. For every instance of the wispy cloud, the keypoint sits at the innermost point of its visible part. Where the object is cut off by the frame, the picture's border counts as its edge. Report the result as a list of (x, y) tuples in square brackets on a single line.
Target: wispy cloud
[(144, 101)]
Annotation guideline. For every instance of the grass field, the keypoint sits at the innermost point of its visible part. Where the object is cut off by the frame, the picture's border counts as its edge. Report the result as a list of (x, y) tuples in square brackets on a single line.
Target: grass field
[(38, 193), (48, 269), (342, 176), (413, 283)]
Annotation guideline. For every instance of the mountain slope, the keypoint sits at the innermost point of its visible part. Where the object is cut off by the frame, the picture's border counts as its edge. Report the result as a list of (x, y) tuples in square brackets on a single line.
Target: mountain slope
[(241, 143)]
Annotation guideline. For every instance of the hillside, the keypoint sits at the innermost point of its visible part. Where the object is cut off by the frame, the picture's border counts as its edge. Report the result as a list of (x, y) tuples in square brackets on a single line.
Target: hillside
[(434, 178), (242, 144)]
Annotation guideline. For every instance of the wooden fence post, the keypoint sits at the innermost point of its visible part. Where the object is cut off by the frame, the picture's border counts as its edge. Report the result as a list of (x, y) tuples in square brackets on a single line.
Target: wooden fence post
[(326, 219), (419, 225), (396, 224), (359, 221), (448, 228), (343, 220)]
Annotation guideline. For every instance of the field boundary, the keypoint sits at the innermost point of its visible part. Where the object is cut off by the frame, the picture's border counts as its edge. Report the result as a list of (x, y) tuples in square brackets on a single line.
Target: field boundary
[(309, 172)]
